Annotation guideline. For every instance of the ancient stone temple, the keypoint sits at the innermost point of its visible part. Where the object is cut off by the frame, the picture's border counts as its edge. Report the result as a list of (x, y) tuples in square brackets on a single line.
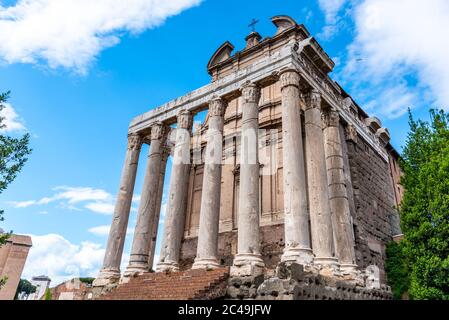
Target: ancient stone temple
[(287, 189)]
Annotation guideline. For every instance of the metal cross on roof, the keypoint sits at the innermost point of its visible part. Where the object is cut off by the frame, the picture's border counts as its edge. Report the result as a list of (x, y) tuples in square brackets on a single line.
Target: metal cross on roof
[(253, 24)]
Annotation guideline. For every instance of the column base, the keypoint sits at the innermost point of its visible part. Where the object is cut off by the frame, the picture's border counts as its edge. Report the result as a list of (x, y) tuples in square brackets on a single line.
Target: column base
[(327, 266), (326, 261), (169, 266), (348, 269), (136, 269), (107, 277), (297, 255), (205, 263), (247, 264)]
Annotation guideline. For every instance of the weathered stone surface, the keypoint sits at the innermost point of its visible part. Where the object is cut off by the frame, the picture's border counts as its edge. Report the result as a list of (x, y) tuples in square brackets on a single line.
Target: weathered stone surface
[(313, 286), (143, 233), (338, 195), (110, 273), (248, 260), (374, 205), (177, 200), (296, 215), (290, 271), (207, 249), (156, 220), (244, 287), (320, 211)]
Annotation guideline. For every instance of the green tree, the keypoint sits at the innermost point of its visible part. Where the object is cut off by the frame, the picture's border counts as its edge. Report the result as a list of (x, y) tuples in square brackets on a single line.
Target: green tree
[(87, 281), (13, 156), (425, 207), (397, 268), (3, 281), (24, 287), (47, 294)]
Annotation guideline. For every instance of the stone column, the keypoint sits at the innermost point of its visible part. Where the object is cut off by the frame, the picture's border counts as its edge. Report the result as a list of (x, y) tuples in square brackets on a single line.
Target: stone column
[(207, 250), (248, 261), (165, 154), (296, 217), (138, 262), (177, 200), (110, 273), (338, 195), (320, 212)]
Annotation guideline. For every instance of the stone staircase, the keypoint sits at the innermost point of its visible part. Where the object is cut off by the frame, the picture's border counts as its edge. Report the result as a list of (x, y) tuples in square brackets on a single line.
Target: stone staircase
[(187, 285)]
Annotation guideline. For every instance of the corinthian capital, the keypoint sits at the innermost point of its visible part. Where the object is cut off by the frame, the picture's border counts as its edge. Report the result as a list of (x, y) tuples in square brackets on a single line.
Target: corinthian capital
[(330, 118), (134, 142), (313, 99), (289, 78), (250, 92), (216, 107), (185, 120), (158, 131)]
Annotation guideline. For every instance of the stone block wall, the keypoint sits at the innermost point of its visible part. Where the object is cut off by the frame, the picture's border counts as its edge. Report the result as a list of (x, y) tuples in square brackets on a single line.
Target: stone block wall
[(293, 283), (374, 204)]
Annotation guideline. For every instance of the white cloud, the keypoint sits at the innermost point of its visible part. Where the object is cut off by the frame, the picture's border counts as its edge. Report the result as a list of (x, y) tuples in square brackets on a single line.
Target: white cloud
[(68, 196), (22, 204), (397, 43), (11, 120), (103, 208), (331, 9), (95, 200), (104, 230), (163, 212), (76, 195), (61, 260), (71, 33), (100, 230)]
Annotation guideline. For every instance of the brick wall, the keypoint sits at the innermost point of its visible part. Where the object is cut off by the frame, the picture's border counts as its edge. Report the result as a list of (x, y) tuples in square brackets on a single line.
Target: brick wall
[(13, 256)]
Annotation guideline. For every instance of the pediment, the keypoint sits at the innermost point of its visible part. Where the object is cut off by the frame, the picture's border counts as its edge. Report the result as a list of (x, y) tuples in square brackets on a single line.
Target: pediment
[(283, 23), (223, 53)]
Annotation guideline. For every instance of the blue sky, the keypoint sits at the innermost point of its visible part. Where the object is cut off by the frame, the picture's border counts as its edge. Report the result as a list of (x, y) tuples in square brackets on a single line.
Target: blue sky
[(79, 71)]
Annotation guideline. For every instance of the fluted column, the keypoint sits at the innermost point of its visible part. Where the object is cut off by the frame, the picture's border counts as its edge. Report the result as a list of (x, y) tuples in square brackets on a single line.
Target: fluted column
[(248, 260), (177, 200), (165, 154), (110, 272), (320, 212), (296, 217), (338, 195), (138, 262), (207, 250)]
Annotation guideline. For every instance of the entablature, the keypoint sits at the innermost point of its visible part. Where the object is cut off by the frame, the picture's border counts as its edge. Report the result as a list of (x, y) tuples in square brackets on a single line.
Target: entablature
[(305, 55)]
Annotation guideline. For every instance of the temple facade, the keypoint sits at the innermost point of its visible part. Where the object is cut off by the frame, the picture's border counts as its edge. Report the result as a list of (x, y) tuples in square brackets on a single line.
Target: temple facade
[(286, 169)]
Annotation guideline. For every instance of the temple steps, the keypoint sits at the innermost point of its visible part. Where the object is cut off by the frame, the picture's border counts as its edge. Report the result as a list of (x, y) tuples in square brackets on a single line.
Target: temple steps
[(186, 285)]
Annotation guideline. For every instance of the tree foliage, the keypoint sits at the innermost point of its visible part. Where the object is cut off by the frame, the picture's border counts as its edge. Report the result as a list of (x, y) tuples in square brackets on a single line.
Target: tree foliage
[(3, 281), (425, 207), (13, 156), (48, 295), (87, 281), (25, 287), (397, 268)]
